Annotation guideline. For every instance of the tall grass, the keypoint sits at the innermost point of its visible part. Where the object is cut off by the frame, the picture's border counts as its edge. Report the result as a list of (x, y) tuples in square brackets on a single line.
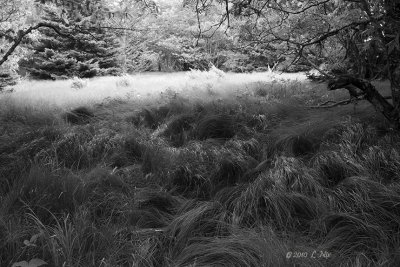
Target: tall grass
[(243, 248), (195, 169), (61, 94)]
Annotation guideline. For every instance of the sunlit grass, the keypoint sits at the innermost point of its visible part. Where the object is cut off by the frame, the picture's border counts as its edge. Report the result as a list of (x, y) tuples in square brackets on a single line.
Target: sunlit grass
[(63, 94)]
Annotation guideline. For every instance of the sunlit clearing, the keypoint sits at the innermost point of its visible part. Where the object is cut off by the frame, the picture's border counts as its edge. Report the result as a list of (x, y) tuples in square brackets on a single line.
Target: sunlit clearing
[(65, 93)]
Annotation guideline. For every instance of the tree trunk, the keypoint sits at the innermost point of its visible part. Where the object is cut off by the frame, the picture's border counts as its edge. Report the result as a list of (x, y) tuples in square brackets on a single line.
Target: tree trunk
[(371, 94), (392, 22)]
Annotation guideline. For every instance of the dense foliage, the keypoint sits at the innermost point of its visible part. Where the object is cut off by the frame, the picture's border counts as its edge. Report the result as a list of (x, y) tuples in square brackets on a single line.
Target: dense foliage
[(337, 36), (71, 51)]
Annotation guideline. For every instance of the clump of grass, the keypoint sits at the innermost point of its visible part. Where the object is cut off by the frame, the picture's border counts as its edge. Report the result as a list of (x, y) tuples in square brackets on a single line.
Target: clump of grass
[(349, 235), (70, 150), (382, 163), (333, 168), (80, 115), (123, 81), (276, 112), (282, 90), (61, 240), (363, 196), (67, 239), (159, 199), (252, 147), (149, 119), (154, 208), (86, 145), (219, 126), (42, 190), (190, 182), (3, 231), (292, 175), (196, 219), (78, 83), (119, 160), (149, 252), (18, 152), (212, 73), (230, 169), (133, 148), (283, 210), (163, 111), (256, 121), (261, 89), (154, 116), (101, 179), (297, 145), (253, 173), (346, 153), (13, 114), (217, 72), (15, 230), (106, 197), (228, 196), (148, 218), (203, 167), (175, 106), (158, 157), (292, 210), (301, 139), (245, 248), (75, 241), (178, 129), (355, 138)]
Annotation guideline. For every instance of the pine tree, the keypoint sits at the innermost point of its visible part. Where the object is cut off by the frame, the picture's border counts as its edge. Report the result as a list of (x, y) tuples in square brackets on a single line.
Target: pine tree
[(81, 53), (7, 78)]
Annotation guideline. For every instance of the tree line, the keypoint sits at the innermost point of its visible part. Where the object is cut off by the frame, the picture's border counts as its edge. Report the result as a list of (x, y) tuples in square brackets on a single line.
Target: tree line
[(350, 42)]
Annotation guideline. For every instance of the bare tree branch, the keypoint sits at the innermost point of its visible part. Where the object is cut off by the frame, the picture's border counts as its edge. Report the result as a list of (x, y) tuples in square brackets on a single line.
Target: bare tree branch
[(281, 9)]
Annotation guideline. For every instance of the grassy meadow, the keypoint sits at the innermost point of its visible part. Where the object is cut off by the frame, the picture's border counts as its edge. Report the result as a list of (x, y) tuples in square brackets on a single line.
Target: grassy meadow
[(195, 169)]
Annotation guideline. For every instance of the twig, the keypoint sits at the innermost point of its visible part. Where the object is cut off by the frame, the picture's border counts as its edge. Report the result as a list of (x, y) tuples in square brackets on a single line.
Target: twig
[(341, 103), (327, 102)]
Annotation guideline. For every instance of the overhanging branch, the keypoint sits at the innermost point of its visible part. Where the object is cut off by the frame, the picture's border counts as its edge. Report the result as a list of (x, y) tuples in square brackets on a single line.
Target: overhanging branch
[(23, 33), (369, 93)]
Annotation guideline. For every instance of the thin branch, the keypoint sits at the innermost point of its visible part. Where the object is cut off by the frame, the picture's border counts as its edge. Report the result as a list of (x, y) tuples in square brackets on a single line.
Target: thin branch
[(227, 11), (198, 22), (336, 31), (281, 9), (341, 103)]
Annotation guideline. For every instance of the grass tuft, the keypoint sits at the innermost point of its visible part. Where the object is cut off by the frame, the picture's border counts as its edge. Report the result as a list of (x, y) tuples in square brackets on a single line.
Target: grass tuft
[(218, 126), (178, 129), (194, 220), (80, 115), (43, 190), (245, 248)]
